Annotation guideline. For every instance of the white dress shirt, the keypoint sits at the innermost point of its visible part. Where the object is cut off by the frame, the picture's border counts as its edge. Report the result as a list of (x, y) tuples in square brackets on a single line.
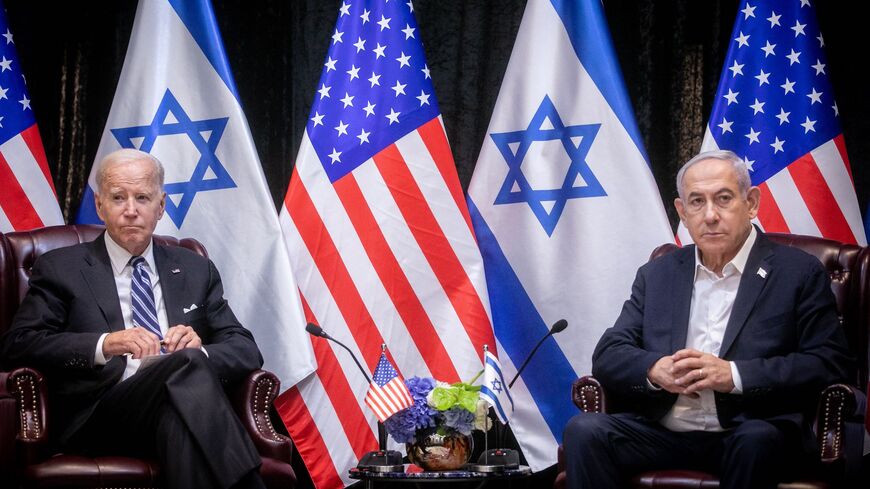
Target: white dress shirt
[(712, 302), (123, 272)]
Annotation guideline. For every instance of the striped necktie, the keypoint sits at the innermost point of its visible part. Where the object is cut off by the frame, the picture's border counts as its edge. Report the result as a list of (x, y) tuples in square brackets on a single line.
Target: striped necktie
[(144, 308)]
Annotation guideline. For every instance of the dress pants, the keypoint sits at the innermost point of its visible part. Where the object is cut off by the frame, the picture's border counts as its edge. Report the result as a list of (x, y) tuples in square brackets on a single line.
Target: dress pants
[(176, 411), (605, 451)]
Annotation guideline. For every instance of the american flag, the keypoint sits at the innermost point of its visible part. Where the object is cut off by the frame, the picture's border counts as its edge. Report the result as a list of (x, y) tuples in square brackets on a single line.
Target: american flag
[(27, 196), (379, 235), (775, 108), (387, 393)]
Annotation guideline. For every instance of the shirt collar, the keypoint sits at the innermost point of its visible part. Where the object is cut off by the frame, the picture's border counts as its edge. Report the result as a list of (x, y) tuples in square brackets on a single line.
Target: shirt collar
[(120, 257), (739, 260)]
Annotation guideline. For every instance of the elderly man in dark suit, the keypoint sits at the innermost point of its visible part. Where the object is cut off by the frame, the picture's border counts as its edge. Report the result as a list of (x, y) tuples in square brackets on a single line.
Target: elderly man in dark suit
[(719, 353), (137, 340)]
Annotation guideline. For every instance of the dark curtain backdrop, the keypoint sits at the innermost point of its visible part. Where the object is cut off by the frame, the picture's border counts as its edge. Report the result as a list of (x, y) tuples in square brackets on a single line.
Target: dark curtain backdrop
[(671, 52)]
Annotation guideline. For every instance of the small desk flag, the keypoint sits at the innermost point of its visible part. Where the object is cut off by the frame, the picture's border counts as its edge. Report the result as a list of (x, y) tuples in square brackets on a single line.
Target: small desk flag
[(387, 393), (494, 389)]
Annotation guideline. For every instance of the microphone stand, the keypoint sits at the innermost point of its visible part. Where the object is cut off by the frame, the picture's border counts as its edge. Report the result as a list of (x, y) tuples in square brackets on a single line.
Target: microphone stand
[(501, 459), (381, 460)]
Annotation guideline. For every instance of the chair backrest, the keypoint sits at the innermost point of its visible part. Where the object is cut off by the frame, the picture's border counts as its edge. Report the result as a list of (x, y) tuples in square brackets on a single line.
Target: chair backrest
[(849, 268), (19, 250)]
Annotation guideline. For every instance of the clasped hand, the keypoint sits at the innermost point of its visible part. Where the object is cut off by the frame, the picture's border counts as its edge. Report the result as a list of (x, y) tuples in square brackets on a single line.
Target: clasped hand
[(140, 342), (689, 371)]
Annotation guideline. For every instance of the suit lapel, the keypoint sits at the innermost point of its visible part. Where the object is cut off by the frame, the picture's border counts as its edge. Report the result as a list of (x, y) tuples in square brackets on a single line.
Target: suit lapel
[(171, 283), (751, 285), (683, 285), (101, 281)]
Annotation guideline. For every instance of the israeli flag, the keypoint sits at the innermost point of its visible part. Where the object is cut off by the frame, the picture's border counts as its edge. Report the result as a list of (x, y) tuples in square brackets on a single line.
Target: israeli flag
[(176, 99), (565, 209), (494, 390)]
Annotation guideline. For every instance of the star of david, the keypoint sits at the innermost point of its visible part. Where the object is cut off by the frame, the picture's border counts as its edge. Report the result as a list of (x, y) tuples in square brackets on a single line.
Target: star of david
[(579, 181), (496, 386), (204, 134)]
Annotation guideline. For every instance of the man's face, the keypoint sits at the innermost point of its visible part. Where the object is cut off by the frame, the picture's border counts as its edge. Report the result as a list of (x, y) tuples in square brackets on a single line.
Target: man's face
[(131, 202), (715, 214)]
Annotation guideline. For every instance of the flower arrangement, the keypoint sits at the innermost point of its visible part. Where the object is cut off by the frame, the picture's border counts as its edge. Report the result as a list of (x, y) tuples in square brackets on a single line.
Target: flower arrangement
[(440, 407)]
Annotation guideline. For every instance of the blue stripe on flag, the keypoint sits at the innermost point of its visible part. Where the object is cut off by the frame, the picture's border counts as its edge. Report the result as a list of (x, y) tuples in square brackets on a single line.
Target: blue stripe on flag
[(198, 17), (587, 29), (518, 326), (88, 210), (497, 368), (493, 397)]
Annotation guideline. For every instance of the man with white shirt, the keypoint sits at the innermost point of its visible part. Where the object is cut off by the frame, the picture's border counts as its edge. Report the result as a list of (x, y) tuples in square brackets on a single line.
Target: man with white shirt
[(95, 311), (720, 353)]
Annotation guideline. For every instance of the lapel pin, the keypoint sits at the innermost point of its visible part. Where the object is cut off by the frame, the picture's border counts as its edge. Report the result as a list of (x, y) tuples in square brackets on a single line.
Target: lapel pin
[(762, 273), (176, 270)]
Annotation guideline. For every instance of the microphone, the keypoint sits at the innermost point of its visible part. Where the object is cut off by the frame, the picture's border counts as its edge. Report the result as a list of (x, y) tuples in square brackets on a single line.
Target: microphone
[(557, 327), (381, 460), (316, 330)]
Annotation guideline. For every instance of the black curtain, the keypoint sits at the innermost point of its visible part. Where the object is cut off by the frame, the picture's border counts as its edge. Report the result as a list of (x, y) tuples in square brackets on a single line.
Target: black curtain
[(671, 52)]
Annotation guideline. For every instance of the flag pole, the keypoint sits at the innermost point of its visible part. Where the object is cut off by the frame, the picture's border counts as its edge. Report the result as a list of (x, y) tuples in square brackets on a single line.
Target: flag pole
[(382, 428), (486, 437)]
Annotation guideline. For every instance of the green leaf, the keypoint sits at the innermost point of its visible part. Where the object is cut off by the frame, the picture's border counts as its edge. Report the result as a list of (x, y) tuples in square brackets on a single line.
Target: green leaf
[(444, 398), (468, 400)]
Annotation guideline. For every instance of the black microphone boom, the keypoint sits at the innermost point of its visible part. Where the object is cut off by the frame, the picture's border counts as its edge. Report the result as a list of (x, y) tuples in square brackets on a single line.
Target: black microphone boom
[(381, 460), (557, 327), (316, 330)]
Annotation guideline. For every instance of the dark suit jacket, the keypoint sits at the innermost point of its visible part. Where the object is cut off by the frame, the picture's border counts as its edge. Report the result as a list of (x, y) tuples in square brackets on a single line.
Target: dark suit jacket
[(73, 300), (783, 335)]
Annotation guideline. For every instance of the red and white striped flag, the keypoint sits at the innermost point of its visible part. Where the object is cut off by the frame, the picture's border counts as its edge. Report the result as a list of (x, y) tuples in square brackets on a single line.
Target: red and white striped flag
[(387, 393), (775, 108), (379, 236), (27, 196)]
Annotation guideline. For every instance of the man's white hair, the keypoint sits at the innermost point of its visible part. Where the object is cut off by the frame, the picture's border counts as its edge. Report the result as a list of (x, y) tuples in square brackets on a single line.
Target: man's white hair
[(127, 155), (743, 180)]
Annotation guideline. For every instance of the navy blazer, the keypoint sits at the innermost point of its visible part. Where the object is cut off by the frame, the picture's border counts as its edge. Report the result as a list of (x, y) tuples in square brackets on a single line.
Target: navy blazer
[(73, 300), (784, 336)]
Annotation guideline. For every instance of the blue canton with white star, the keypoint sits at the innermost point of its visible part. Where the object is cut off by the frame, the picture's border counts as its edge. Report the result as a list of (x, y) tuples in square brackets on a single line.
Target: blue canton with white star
[(375, 87), (775, 101), (384, 372), (579, 181), (169, 120), (15, 112)]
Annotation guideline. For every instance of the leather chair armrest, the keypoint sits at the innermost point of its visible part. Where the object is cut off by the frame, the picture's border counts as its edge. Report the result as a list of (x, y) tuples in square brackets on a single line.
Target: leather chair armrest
[(837, 405), (588, 395), (27, 386), (252, 400)]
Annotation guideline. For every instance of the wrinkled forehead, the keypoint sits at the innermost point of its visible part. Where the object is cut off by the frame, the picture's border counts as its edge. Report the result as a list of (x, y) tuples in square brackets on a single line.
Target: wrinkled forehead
[(710, 176), (141, 174)]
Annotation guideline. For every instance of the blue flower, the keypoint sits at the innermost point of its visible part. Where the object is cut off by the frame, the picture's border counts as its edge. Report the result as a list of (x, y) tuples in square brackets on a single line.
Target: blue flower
[(403, 425), (459, 419), (453, 413)]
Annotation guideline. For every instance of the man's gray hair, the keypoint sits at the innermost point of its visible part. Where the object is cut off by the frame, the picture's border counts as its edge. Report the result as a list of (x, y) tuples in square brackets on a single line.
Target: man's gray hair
[(128, 155), (743, 180)]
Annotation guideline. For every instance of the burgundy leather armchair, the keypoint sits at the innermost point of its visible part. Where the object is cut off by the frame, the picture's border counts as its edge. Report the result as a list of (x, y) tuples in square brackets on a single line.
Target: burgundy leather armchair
[(26, 458), (849, 268)]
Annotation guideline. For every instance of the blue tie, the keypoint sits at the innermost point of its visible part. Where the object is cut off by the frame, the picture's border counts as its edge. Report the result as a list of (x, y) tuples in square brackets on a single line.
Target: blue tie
[(144, 309)]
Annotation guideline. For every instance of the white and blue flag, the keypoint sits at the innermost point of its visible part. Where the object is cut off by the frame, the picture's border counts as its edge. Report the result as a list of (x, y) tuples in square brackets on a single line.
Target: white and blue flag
[(564, 207), (176, 99), (495, 390)]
